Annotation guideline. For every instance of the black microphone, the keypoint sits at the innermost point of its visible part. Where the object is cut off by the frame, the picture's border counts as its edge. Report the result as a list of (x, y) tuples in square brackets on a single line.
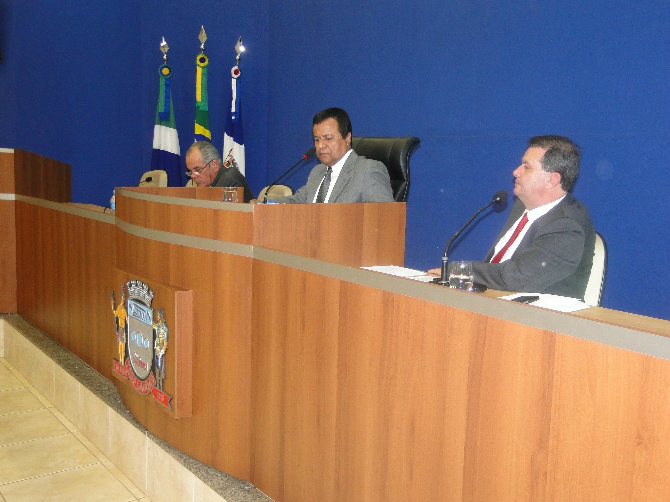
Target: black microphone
[(500, 198), (146, 180), (309, 154)]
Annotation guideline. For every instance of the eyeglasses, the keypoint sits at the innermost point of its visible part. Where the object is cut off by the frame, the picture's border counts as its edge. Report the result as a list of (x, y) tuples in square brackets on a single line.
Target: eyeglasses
[(197, 170)]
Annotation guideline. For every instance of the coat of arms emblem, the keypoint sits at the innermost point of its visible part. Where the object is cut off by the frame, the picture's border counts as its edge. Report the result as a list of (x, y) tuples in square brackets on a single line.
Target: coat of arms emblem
[(142, 340)]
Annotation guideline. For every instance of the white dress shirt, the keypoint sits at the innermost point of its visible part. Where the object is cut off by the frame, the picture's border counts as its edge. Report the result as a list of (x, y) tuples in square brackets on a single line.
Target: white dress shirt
[(533, 215), (337, 169)]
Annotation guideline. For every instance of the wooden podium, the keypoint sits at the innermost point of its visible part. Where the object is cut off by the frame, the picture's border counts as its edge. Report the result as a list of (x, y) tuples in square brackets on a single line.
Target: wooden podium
[(316, 380)]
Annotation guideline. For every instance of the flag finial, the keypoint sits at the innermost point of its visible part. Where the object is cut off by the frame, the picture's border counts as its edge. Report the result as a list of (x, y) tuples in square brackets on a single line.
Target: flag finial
[(239, 49), (164, 49), (203, 38)]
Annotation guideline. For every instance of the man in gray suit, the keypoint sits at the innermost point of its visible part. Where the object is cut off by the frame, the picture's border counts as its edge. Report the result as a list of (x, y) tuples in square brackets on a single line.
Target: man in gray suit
[(342, 176), (547, 244)]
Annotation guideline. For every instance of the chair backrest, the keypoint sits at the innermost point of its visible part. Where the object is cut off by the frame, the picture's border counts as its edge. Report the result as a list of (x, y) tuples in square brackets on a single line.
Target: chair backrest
[(394, 153), (275, 192), (156, 178), (594, 287)]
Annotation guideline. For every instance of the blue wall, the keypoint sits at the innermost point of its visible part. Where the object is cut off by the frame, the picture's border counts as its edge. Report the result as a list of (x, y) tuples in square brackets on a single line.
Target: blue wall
[(473, 80)]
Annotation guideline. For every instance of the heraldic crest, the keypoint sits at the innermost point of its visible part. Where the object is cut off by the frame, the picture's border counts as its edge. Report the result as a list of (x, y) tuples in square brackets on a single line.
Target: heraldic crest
[(142, 340)]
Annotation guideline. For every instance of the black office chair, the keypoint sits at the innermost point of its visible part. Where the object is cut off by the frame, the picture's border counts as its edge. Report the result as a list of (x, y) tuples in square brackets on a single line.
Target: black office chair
[(394, 153)]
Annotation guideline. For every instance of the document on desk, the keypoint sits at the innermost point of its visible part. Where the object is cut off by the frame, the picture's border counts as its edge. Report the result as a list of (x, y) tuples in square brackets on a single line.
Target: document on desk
[(552, 302), (408, 273)]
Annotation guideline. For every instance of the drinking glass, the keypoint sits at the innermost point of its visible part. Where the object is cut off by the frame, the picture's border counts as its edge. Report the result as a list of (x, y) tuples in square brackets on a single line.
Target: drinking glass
[(460, 275), (230, 194)]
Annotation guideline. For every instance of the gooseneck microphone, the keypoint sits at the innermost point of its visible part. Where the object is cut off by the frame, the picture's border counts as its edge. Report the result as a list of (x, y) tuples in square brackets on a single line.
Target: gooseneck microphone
[(308, 155), (499, 198)]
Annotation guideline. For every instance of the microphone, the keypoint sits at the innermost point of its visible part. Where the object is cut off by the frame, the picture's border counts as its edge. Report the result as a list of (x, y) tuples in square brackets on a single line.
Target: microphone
[(146, 180), (308, 155), (499, 198)]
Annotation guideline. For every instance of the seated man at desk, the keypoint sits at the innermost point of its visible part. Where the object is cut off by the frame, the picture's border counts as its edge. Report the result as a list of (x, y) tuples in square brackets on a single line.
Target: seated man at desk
[(204, 167), (547, 244), (342, 175)]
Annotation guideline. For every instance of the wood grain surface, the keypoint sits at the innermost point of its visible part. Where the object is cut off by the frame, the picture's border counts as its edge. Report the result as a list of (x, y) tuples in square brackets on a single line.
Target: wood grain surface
[(317, 387)]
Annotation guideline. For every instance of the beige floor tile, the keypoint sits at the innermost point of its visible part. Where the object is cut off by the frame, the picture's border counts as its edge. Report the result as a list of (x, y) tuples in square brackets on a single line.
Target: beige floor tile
[(18, 400), (8, 380), (10, 342), (21, 354), (172, 483), (46, 402), (24, 381), (92, 483), (123, 478), (29, 425), (43, 375), (42, 456), (66, 395), (94, 424), (91, 447), (63, 420), (127, 450)]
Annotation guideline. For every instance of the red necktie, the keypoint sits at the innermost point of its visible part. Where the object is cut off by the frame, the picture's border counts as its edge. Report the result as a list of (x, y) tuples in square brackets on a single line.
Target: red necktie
[(517, 231)]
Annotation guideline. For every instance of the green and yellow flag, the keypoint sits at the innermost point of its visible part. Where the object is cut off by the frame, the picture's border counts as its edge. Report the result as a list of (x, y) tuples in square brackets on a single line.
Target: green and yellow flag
[(202, 132)]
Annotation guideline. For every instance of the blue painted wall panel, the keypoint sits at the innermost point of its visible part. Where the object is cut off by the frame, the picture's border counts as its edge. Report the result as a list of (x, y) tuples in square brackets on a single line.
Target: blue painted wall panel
[(473, 80)]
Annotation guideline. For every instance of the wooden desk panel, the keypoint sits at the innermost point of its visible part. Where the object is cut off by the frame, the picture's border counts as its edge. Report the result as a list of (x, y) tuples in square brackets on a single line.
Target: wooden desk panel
[(7, 172), (377, 237), (383, 397), (7, 256), (42, 177), (218, 432), (316, 381), (207, 222), (64, 278)]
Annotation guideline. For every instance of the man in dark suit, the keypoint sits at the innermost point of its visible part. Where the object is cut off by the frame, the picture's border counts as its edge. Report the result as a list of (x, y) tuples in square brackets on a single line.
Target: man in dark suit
[(342, 175), (547, 244), (204, 167)]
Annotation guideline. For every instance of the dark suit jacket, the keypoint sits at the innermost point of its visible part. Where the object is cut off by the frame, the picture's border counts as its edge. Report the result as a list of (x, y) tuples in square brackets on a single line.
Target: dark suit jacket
[(555, 255), (232, 177), (361, 180)]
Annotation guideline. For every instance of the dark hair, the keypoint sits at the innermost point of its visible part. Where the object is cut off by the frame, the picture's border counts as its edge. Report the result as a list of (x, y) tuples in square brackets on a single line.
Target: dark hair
[(562, 156), (343, 121)]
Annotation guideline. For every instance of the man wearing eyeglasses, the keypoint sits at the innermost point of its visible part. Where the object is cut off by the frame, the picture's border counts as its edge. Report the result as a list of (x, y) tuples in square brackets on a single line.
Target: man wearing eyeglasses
[(204, 167)]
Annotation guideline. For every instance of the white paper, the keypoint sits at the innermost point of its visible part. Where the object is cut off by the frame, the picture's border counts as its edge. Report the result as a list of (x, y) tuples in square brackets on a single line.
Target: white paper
[(409, 273), (552, 302)]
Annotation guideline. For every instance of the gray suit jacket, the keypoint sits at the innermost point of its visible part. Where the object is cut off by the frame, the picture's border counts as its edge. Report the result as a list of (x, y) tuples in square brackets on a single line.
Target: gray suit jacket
[(555, 255), (361, 180)]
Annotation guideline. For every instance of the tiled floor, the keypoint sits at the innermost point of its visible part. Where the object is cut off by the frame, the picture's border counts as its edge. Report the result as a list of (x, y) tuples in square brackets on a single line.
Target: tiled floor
[(43, 457)]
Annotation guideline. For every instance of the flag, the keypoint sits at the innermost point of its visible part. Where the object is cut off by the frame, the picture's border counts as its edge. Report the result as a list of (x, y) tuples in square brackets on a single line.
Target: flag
[(165, 153), (233, 138), (202, 132)]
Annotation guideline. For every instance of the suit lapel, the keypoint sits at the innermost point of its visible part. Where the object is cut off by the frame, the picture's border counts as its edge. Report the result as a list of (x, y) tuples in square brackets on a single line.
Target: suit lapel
[(317, 175), (515, 213), (344, 177), (541, 221)]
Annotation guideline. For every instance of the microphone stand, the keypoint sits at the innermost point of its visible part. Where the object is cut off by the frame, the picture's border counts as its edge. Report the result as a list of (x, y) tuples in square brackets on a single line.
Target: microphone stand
[(307, 155), (498, 198)]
